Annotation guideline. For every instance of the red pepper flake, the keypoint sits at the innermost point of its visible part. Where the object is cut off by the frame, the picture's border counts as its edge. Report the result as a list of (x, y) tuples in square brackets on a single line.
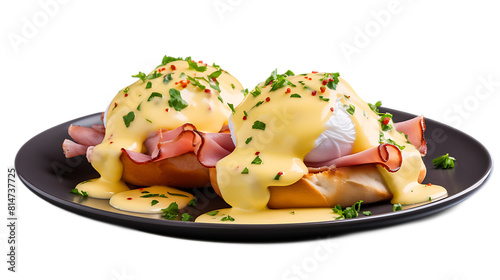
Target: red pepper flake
[(271, 82), (141, 189), (201, 61), (325, 82), (314, 72), (309, 79), (166, 110), (280, 173), (330, 80), (429, 184), (323, 89), (129, 198), (162, 69), (386, 120), (126, 94), (306, 77), (111, 142), (173, 67), (116, 104), (331, 109), (288, 90), (257, 153), (314, 93), (214, 79), (176, 83), (244, 118), (268, 99), (207, 90)]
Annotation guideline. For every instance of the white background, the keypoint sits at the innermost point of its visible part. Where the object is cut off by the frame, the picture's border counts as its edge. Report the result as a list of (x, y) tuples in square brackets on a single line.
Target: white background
[(67, 59)]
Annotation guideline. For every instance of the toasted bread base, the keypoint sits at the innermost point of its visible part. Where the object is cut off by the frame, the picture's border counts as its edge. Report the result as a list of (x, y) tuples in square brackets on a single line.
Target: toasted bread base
[(343, 186), (184, 171)]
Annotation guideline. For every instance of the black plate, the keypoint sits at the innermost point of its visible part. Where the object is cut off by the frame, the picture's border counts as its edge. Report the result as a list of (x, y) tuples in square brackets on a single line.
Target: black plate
[(43, 168)]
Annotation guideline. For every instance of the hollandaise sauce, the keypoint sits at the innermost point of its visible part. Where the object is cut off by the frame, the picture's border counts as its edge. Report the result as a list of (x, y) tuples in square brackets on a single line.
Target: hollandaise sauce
[(176, 92), (276, 126)]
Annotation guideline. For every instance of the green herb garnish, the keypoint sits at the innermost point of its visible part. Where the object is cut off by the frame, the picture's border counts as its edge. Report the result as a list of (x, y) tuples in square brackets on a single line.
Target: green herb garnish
[(194, 65), (154, 202), (397, 207), (248, 140), (167, 78), (186, 217), (128, 118), (245, 171), (141, 76), (171, 212), (444, 162), (375, 108), (177, 194), (212, 213), (295, 95), (228, 218), (259, 125), (176, 100), (348, 212), (350, 108), (155, 94), (231, 106), (82, 193), (257, 160)]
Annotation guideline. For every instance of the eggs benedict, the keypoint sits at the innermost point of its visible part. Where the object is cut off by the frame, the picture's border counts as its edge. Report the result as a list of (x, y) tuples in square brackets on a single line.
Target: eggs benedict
[(310, 141), (161, 130)]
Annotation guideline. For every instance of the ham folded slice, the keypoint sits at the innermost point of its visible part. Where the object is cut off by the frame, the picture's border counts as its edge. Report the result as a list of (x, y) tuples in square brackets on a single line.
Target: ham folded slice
[(388, 155), (86, 138), (208, 147), (414, 128)]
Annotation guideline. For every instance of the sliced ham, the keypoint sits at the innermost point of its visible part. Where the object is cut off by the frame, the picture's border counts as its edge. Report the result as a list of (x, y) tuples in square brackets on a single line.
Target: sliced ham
[(89, 136), (208, 147), (72, 149), (387, 155), (414, 128)]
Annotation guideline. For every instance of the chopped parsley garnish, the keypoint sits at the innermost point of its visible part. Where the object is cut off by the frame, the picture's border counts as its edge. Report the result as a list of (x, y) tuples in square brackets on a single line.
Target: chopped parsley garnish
[(149, 84), (220, 99), (167, 78), (227, 218), (154, 202), (154, 75), (171, 212), (382, 140), (256, 91), (155, 94), (139, 106), (367, 213), (323, 98), (295, 95), (177, 194), (332, 80), (194, 65), (212, 213), (186, 217), (259, 125), (128, 118), (82, 193), (350, 108), (397, 207), (216, 86), (231, 106), (193, 202), (215, 74), (375, 108), (176, 100), (348, 212), (153, 195), (385, 121), (232, 86), (279, 81), (195, 82), (278, 175), (141, 76), (248, 140), (444, 162), (245, 171), (257, 160), (126, 89), (257, 104), (149, 121), (167, 59)]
